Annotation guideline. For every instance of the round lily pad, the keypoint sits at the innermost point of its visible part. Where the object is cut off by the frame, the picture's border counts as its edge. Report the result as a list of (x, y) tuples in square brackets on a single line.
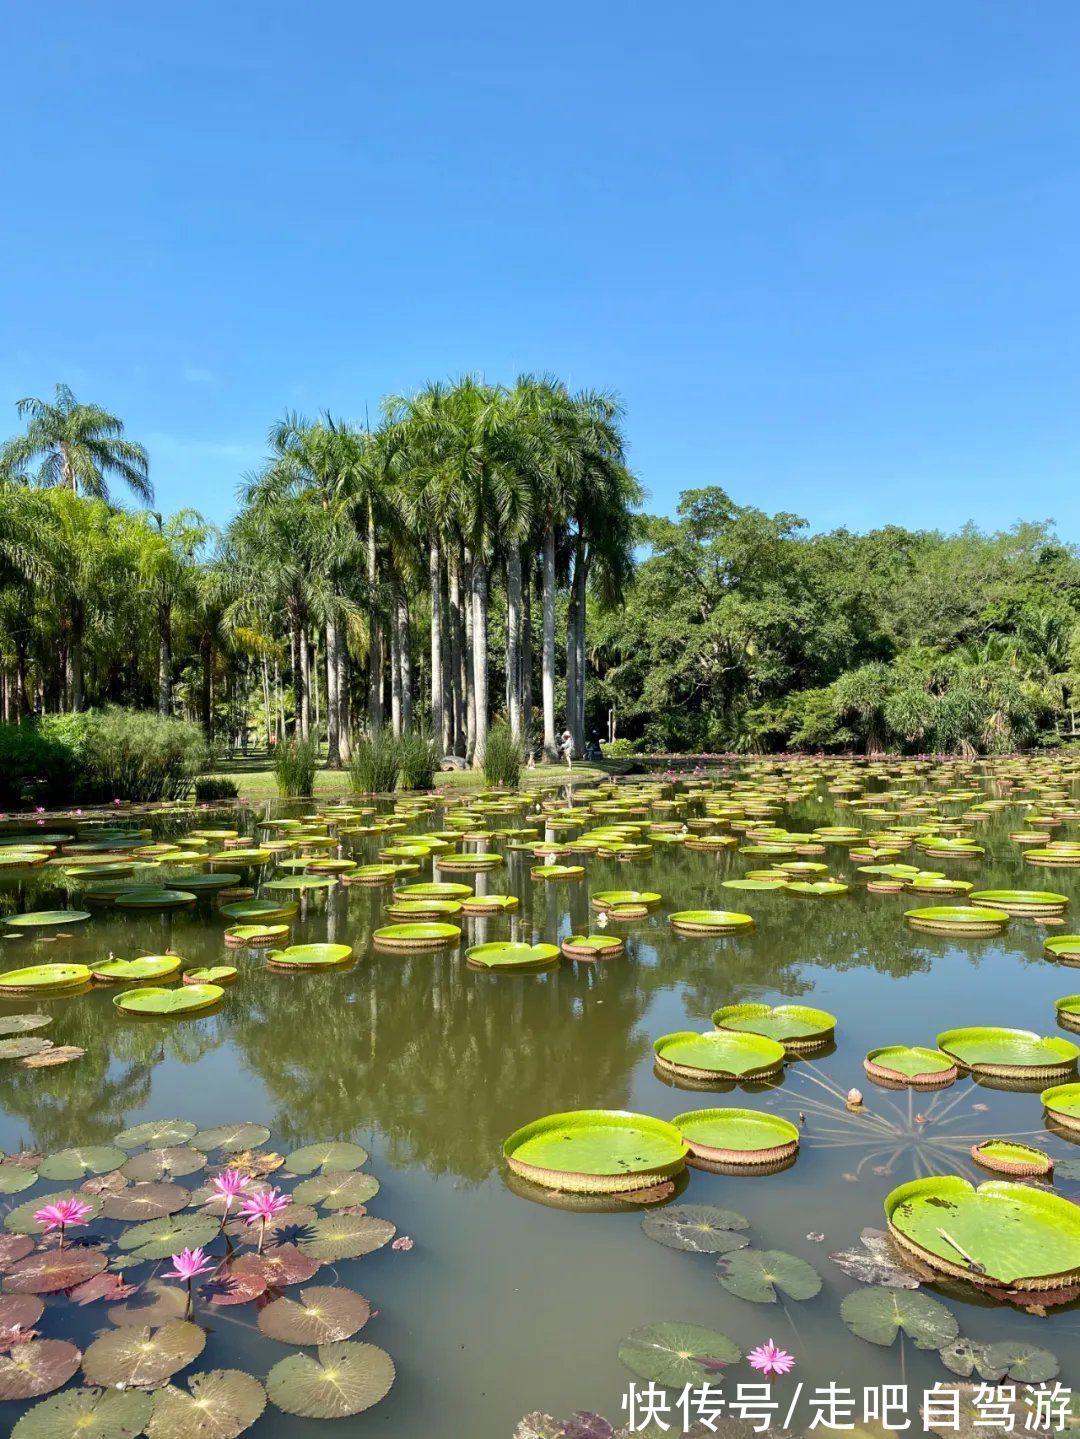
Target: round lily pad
[(508, 955), (331, 1156), (232, 1138), (322, 1316), (795, 1026), (78, 1163), (20, 1220), (1007, 1156), (23, 1023), (258, 911), (678, 1354), (992, 1050), (155, 899), (42, 978), (1062, 1102), (596, 1151), (300, 882), (155, 1132), (698, 1228), (878, 1315), (816, 888), (161, 1238), (745, 1137), (46, 919), (86, 1414), (710, 921), (37, 1367), (756, 884), (434, 891), (154, 1200), (1064, 947), (957, 919), (143, 1358), (593, 946), (337, 1190), (906, 1065), (718, 1054), (759, 1274), (345, 1236), (50, 1270), (422, 935), (255, 936), (310, 956), (22, 1046), (187, 999), (172, 1161), (345, 1379), (150, 966), (14, 1178), (211, 974), (1022, 901)]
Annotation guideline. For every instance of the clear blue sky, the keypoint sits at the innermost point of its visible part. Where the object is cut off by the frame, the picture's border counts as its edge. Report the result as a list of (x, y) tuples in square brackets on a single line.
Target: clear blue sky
[(827, 252)]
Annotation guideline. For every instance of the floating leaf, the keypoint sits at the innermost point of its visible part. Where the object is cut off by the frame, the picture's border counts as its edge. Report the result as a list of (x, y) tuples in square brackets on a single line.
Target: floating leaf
[(237, 1283), (23, 1046), (14, 1247), (757, 1274), (186, 999), (346, 1236), (143, 1357), (284, 1265), (23, 1023), (36, 1368), (337, 1190), (161, 1238), (104, 1184), (346, 1379), (231, 1137), (699, 1228), (50, 1270), (157, 1302), (156, 1132), (172, 1162), (14, 1178), (145, 1201), (102, 1286), (877, 1315), (322, 1316), (78, 1163), (20, 1220), (86, 1414), (18, 1315), (329, 1157), (1022, 1363), (219, 1404), (877, 1262), (677, 1354), (47, 1058)]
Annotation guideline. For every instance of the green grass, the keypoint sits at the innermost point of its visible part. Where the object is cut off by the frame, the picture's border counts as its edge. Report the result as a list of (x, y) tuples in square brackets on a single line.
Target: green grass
[(256, 782)]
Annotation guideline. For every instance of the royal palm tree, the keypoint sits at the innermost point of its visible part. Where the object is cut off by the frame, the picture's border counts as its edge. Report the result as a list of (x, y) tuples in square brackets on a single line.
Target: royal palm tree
[(171, 554), (77, 446)]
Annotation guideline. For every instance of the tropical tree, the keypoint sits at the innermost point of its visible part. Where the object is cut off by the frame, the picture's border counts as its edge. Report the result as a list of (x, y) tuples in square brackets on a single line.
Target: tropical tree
[(77, 446)]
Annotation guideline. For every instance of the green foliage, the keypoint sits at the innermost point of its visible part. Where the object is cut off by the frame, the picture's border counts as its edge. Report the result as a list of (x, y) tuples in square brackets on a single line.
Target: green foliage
[(503, 756), (295, 763), (418, 756), (136, 755), (619, 748), (375, 763), (35, 768), (209, 787)]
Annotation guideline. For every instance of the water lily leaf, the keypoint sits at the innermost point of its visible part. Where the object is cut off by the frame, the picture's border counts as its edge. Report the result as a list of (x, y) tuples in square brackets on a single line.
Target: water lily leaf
[(757, 1274), (959, 1357), (337, 1189), (346, 1236), (102, 1286), (322, 1316), (877, 1315), (86, 1414), (1022, 1363), (877, 1262), (699, 1228), (50, 1270), (171, 1162), (677, 1354), (156, 1303), (14, 1178), (23, 1023), (161, 1238), (14, 1247), (143, 1357), (158, 1133), (1067, 1168), (329, 1157), (283, 1265), (145, 1201), (185, 999), (78, 1163), (19, 1312), (56, 1054), (237, 1283), (231, 1137), (20, 1220), (104, 1184), (347, 1378), (37, 1367), (219, 1404), (256, 1162), (23, 1046)]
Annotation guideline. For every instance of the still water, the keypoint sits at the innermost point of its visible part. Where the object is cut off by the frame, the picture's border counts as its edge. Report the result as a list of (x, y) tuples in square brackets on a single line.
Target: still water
[(506, 1305)]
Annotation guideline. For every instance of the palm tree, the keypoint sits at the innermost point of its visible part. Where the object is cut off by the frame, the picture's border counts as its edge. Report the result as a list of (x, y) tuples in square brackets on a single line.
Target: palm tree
[(78, 446), (171, 554)]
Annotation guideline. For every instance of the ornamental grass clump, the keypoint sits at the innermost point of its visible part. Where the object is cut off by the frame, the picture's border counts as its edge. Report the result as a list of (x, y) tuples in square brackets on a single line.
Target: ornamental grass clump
[(295, 763), (503, 757), (418, 755), (375, 764)]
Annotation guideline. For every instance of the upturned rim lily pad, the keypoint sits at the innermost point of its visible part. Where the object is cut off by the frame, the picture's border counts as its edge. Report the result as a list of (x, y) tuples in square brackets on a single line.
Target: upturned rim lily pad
[(310, 956), (625, 901), (511, 955), (746, 1138), (1007, 1156), (255, 936), (1022, 901), (421, 935), (1062, 1102), (147, 967), (998, 1051), (155, 899), (1063, 946), (170, 1003), (795, 1026), (596, 1151), (909, 1066), (718, 1054), (46, 919), (710, 921), (958, 919), (258, 911), (211, 974), (41, 978), (593, 946)]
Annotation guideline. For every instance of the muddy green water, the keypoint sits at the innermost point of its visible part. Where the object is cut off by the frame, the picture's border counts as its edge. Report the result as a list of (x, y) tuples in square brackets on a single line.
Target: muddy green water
[(506, 1305)]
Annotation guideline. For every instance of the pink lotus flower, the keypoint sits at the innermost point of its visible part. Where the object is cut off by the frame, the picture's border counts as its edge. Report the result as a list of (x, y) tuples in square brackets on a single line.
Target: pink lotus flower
[(62, 1214), (229, 1184), (261, 1208), (770, 1359), (189, 1263), (403, 1243)]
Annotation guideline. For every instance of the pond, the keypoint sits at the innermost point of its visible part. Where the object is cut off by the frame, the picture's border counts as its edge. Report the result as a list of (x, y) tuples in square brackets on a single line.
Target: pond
[(511, 1300)]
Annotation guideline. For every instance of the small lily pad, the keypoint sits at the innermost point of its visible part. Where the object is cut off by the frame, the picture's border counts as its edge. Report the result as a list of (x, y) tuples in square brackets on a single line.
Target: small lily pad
[(345, 1379), (22, 1046), (337, 1190), (877, 1262), (346, 1236), (156, 1132), (757, 1274), (232, 1138), (50, 1270), (172, 1162), (328, 1157), (322, 1316), (143, 1358), (86, 1414), (878, 1315), (146, 1201), (23, 1023), (698, 1228), (161, 1238), (219, 1404), (37, 1367), (78, 1163), (678, 1354)]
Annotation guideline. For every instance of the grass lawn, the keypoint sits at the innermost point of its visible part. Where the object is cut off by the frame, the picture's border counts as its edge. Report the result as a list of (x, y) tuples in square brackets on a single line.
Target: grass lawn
[(256, 782)]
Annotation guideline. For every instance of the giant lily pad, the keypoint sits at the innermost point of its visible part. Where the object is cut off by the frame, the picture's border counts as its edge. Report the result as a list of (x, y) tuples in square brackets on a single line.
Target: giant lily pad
[(1062, 1102), (345, 1236), (989, 1049), (143, 1358), (323, 1316), (795, 1026), (902, 1064), (337, 1190), (738, 1136), (698, 1228), (328, 1157), (422, 935), (434, 891), (46, 919), (155, 899), (596, 1151), (718, 1054), (212, 974), (1064, 947), (188, 999), (878, 1315), (710, 921), (957, 919), (219, 1404), (23, 1046), (37, 1367), (44, 978), (1022, 901), (298, 882), (86, 1414), (155, 1132), (510, 955), (763, 885), (678, 1354), (78, 1163), (760, 1274), (1002, 1233), (256, 911), (23, 1023), (150, 966), (310, 956), (160, 1238), (347, 1378)]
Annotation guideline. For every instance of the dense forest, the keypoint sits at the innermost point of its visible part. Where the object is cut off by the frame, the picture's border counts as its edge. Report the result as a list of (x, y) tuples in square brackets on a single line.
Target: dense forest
[(484, 553)]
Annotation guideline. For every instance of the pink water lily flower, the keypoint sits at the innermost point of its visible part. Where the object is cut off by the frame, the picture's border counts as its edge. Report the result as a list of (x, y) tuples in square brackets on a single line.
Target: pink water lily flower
[(229, 1184), (188, 1264), (62, 1214), (403, 1243), (261, 1208), (770, 1359)]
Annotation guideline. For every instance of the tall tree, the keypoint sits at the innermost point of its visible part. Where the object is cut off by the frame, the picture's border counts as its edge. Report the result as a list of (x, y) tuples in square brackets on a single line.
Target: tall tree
[(77, 446)]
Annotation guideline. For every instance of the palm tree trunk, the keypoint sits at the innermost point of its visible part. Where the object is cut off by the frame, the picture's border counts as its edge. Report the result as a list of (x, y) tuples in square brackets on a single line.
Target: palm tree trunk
[(206, 660), (513, 639), (480, 601), (343, 687), (164, 660), (551, 751), (457, 650), (572, 671), (438, 702), (525, 666), (395, 668), (404, 656), (447, 736), (576, 637), (468, 676), (266, 697), (333, 706), (305, 683), (582, 616), (75, 658), (375, 674)]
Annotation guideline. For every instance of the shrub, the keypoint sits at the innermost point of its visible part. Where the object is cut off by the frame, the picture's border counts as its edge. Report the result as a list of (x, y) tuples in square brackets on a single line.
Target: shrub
[(137, 755), (35, 768), (295, 763), (210, 787), (619, 748), (375, 763), (503, 756), (419, 760)]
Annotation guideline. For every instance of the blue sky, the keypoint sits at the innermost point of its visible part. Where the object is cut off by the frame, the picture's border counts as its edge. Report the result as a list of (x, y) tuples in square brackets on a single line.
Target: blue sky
[(826, 253)]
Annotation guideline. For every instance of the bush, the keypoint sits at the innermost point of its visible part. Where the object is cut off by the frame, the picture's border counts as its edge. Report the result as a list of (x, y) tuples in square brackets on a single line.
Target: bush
[(134, 754), (210, 787), (295, 763), (35, 769), (375, 763), (419, 760), (619, 748), (503, 756)]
